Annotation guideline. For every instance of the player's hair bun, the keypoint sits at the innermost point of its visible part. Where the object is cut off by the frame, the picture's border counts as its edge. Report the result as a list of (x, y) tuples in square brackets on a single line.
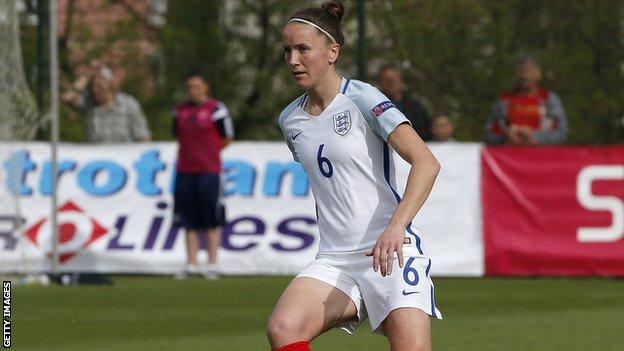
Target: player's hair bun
[(327, 17), (334, 9)]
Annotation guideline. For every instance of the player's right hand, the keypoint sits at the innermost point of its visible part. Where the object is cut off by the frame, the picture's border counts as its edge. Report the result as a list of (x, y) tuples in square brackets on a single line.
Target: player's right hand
[(389, 242)]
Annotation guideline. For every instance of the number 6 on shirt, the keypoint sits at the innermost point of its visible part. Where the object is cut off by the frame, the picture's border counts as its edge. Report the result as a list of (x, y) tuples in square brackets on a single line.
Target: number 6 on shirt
[(322, 161)]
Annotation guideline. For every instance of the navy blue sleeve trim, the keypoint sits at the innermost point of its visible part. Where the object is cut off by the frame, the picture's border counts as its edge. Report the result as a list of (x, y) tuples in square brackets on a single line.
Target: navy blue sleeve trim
[(303, 99), (346, 86), (221, 127)]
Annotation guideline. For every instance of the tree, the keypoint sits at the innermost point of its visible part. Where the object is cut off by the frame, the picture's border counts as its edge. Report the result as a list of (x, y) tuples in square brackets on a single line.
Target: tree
[(464, 52), (457, 54)]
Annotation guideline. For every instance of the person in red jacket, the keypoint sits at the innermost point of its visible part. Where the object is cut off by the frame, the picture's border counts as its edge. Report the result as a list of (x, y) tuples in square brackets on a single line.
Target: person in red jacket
[(528, 114), (203, 127)]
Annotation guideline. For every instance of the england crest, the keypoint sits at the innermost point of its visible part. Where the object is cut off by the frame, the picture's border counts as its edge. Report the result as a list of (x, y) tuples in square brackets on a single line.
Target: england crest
[(342, 123)]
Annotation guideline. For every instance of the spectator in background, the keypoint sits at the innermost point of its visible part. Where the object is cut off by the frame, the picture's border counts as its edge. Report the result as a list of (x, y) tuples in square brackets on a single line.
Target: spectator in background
[(442, 129), (390, 83), (112, 116), (529, 114), (203, 128)]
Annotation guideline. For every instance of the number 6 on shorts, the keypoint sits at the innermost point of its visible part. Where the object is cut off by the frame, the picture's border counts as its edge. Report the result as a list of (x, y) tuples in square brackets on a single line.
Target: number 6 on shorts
[(411, 279)]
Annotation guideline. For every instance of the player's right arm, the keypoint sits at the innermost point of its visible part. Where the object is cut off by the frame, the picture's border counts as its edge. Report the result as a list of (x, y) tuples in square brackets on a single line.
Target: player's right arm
[(496, 131), (75, 95)]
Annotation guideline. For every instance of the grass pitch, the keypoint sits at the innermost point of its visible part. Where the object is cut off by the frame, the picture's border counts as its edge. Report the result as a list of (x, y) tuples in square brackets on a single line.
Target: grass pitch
[(160, 313)]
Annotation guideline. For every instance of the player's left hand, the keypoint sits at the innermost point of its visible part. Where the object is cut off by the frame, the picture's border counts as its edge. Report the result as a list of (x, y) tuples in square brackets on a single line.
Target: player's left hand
[(389, 242)]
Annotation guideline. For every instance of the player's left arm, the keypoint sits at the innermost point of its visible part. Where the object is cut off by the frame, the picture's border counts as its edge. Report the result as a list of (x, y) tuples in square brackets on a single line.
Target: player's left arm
[(423, 172), (225, 127), (138, 123), (393, 127), (557, 133)]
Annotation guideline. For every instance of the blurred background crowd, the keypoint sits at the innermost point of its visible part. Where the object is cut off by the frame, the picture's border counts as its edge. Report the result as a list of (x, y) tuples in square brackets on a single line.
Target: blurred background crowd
[(455, 68)]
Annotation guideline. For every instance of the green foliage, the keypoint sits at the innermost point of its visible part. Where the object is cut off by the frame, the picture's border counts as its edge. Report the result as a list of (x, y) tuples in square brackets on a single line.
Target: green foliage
[(465, 52), (458, 55), (191, 40), (253, 32)]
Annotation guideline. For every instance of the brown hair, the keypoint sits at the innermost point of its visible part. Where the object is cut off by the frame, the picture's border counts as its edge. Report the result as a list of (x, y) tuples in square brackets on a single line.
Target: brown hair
[(386, 67), (328, 17)]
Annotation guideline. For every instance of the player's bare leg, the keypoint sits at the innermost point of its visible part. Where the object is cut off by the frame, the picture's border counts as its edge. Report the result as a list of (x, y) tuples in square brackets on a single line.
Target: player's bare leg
[(214, 241), (192, 246), (408, 329), (306, 309)]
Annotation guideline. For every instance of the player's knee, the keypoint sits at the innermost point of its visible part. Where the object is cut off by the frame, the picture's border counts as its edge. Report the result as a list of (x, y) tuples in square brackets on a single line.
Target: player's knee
[(410, 347), (283, 328), (420, 345), (410, 344), (423, 345)]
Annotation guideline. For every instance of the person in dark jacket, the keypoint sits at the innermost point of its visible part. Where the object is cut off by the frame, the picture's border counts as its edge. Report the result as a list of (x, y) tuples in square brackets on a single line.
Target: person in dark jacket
[(390, 81)]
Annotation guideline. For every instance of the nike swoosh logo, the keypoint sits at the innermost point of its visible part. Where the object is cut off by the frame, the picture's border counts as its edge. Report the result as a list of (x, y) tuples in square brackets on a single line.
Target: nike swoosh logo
[(294, 136), (405, 293)]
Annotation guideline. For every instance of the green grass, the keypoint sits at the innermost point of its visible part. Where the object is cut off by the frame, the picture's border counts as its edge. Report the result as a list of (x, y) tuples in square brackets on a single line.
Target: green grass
[(160, 313)]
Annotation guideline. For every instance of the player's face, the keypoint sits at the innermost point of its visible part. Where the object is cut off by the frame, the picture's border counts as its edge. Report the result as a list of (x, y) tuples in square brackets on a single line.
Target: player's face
[(102, 90), (197, 89), (307, 54), (390, 82), (442, 128), (529, 75)]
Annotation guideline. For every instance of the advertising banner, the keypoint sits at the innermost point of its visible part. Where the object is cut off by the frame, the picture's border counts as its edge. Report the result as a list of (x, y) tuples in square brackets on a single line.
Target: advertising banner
[(554, 210), (450, 220), (115, 210)]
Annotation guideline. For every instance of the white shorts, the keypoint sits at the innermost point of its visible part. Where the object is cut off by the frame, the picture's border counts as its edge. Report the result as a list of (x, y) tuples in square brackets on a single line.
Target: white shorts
[(376, 296)]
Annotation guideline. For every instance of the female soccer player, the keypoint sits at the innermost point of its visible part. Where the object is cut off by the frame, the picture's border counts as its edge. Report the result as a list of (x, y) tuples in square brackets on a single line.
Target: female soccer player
[(370, 259)]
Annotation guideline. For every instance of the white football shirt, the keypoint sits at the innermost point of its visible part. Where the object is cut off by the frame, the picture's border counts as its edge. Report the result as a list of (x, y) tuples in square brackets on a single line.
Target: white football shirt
[(344, 152)]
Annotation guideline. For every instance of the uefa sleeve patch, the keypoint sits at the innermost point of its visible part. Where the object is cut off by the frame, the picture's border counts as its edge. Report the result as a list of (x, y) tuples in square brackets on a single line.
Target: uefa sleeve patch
[(382, 107)]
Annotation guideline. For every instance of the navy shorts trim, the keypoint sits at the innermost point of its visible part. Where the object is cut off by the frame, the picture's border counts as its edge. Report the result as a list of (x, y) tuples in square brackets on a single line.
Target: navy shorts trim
[(197, 201)]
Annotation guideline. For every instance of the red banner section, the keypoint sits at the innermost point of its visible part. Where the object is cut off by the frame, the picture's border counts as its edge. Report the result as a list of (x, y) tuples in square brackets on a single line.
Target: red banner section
[(553, 210)]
